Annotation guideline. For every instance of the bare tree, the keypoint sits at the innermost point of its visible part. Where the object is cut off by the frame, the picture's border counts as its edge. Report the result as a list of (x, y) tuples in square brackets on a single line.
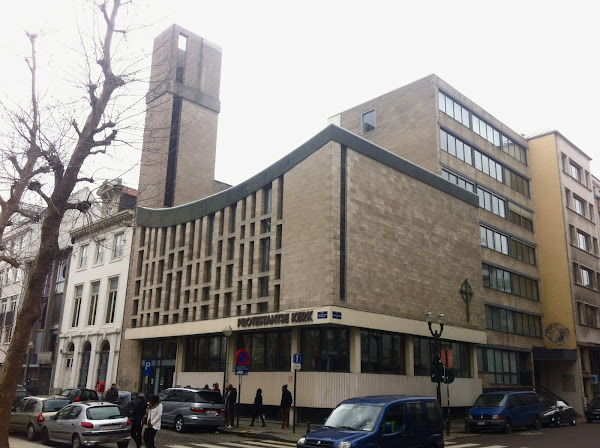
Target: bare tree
[(49, 164)]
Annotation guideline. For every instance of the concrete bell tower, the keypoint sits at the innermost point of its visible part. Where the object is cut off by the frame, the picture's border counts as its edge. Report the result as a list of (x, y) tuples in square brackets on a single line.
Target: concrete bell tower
[(182, 108)]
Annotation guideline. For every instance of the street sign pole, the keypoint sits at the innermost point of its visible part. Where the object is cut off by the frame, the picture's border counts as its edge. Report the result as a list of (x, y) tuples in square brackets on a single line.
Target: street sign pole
[(294, 418), (237, 403)]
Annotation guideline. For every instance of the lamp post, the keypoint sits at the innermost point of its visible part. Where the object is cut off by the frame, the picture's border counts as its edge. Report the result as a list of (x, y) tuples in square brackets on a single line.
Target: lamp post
[(26, 377), (227, 331), (436, 374)]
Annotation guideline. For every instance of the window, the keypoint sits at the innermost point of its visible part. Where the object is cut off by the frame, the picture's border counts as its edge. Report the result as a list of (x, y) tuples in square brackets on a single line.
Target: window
[(100, 251), (368, 121), (502, 365), (591, 316), (509, 321), (83, 255), (509, 282), (424, 352), (112, 299), (8, 335), (325, 349), (575, 171), (13, 303), (583, 241), (205, 353), (585, 277), (77, 305), (118, 245), (267, 199), (93, 303), (506, 245), (382, 352), (269, 350), (578, 206), (3, 307), (491, 202)]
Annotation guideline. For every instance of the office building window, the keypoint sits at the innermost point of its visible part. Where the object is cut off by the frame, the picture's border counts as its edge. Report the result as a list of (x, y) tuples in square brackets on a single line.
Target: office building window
[(267, 199), (462, 183), (205, 353), (509, 282), (382, 352), (585, 276), (368, 121), (77, 305), (95, 289), (424, 352), (113, 285), (502, 365), (583, 241), (119, 241), (270, 351), (83, 255), (506, 245), (491, 202), (325, 349), (587, 314), (509, 321), (578, 205)]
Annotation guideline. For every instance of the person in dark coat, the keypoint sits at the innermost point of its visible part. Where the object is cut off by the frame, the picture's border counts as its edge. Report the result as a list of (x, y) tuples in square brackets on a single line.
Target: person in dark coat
[(286, 404), (230, 400), (139, 412), (112, 395), (258, 408)]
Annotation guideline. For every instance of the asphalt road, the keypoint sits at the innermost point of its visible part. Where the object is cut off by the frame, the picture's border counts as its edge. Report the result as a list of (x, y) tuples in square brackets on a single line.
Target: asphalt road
[(584, 435)]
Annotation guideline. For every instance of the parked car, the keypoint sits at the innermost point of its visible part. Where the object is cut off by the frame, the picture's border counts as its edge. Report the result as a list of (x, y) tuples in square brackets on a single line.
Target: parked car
[(190, 407), (20, 393), (397, 421), (88, 423), (79, 394), (504, 411), (127, 400), (592, 410), (31, 412), (557, 412)]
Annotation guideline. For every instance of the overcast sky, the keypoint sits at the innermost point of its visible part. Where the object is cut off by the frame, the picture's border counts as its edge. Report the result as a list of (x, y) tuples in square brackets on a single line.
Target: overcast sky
[(288, 66)]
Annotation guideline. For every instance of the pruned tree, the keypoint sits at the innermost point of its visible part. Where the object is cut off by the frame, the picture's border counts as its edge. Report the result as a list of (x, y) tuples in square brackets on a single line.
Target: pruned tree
[(46, 157)]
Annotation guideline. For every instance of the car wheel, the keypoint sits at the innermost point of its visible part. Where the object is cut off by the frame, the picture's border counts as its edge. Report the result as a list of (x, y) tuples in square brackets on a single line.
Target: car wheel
[(573, 421), (213, 428), (45, 437), (589, 420), (30, 432), (123, 444), (507, 426), (538, 423), (76, 443), (558, 423), (179, 425), (467, 428)]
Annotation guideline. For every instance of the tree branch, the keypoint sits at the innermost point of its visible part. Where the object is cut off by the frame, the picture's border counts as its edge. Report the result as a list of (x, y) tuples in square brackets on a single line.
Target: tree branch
[(37, 187), (106, 125), (10, 260), (85, 179), (74, 124), (82, 206), (105, 142), (35, 217)]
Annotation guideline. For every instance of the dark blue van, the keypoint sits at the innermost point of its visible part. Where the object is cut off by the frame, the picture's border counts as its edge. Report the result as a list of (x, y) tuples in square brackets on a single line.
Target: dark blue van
[(504, 411), (386, 421)]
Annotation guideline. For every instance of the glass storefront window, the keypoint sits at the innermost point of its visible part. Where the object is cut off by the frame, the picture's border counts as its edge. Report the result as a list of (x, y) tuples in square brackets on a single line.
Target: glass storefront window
[(269, 350), (326, 349)]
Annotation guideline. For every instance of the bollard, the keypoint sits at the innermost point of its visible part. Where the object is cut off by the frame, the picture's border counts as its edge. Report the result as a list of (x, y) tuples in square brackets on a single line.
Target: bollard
[(307, 427)]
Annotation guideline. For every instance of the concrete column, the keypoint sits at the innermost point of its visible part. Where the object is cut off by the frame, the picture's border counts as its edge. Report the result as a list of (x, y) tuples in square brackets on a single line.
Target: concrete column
[(474, 366), (409, 355), (355, 366)]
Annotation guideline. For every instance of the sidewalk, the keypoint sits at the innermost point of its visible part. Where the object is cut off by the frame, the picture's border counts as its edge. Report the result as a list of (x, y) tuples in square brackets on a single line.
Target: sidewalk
[(273, 430)]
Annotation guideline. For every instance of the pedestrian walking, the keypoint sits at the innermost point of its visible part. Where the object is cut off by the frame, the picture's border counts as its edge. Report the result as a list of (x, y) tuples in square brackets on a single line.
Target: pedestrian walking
[(258, 408), (154, 413), (112, 395), (286, 403), (139, 412), (216, 387), (230, 400)]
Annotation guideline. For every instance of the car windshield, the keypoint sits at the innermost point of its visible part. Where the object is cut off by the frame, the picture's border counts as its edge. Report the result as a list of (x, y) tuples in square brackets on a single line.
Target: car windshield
[(54, 405), (104, 412), (491, 400), (66, 392), (355, 417), (209, 396), (547, 404)]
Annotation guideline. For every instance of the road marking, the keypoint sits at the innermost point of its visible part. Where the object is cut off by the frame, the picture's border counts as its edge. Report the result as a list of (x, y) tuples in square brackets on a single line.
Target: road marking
[(177, 446), (495, 446), (207, 445), (467, 445), (272, 444)]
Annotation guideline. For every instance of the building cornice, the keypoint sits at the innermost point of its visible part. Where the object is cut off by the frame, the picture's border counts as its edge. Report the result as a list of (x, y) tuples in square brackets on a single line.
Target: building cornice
[(102, 224)]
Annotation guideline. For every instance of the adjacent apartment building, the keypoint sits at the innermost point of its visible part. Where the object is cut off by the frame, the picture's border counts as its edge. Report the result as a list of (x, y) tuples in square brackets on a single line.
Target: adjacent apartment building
[(565, 199), (92, 315)]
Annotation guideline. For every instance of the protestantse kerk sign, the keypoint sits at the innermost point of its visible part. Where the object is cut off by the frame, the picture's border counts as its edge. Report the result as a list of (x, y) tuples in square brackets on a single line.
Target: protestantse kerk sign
[(282, 318)]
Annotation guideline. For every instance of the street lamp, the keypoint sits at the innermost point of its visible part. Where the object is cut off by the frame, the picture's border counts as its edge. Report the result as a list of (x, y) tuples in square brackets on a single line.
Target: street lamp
[(227, 331), (436, 370)]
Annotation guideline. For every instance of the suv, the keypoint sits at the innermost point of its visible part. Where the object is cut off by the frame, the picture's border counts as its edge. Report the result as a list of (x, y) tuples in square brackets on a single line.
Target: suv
[(79, 394), (397, 421), (185, 407), (504, 411)]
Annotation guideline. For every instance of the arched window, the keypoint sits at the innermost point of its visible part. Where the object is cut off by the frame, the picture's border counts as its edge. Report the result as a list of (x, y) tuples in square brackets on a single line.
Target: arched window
[(103, 364), (85, 364), (69, 355)]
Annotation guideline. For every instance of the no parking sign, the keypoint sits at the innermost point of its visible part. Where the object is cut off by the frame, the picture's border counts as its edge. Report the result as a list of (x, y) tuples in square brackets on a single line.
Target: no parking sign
[(242, 357)]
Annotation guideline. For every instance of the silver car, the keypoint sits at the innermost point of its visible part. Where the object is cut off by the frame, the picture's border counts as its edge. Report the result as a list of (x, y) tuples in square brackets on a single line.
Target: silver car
[(185, 407), (88, 423), (31, 412)]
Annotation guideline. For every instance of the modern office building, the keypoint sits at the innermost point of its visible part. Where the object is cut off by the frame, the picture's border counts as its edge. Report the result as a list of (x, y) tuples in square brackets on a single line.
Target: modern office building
[(566, 204), (335, 252), (431, 124)]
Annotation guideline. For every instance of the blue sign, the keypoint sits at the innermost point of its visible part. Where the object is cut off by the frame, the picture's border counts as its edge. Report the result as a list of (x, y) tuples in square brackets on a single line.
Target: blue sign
[(241, 370), (321, 314), (297, 358), (336, 314), (594, 379), (147, 368)]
